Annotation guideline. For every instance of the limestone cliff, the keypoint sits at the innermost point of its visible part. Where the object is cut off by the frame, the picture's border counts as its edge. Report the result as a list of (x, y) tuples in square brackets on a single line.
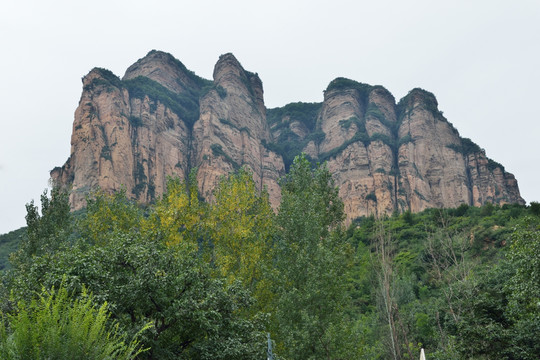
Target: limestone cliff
[(161, 119)]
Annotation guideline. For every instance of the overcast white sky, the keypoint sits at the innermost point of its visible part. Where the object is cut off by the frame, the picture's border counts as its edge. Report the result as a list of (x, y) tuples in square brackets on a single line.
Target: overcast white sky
[(480, 58)]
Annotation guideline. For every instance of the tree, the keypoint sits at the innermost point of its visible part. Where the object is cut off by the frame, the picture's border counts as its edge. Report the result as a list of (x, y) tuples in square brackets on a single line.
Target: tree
[(233, 233), (107, 214), (145, 278), (524, 288), (449, 266), (535, 208), (501, 314), (312, 261), (179, 217), (241, 227), (524, 255), (386, 281), (47, 232)]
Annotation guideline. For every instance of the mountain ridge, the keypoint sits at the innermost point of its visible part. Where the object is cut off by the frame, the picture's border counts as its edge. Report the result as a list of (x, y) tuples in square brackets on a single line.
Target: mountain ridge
[(161, 119)]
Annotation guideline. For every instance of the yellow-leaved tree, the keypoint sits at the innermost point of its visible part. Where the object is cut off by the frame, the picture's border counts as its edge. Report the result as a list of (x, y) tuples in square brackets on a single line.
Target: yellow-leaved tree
[(241, 226), (233, 233), (179, 218), (109, 213)]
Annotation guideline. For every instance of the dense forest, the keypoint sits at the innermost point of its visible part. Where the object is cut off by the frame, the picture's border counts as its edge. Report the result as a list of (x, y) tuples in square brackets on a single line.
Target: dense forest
[(188, 279)]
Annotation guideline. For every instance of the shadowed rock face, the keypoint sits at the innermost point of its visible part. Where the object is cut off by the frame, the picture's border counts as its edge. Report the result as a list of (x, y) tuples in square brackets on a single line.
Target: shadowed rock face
[(161, 119)]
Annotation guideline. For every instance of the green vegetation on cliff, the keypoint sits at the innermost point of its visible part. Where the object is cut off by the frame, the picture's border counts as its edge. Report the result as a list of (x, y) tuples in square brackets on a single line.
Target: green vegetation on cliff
[(289, 144), (341, 83), (305, 113), (185, 105)]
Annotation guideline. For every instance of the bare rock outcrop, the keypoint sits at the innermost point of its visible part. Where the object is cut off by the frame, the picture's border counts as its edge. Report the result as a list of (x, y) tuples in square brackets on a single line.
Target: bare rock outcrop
[(161, 119), (122, 140), (232, 129), (388, 157)]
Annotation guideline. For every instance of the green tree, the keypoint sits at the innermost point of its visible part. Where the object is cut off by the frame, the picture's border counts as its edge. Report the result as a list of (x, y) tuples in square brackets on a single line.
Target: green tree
[(482, 332), (233, 232), (145, 279), (524, 255), (535, 208), (47, 232), (524, 289), (501, 316), (312, 260), (179, 217), (106, 214)]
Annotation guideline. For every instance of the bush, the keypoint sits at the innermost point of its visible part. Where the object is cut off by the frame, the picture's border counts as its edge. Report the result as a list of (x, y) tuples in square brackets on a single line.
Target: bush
[(56, 327), (222, 92), (106, 153), (535, 208), (371, 197), (492, 165), (385, 139), (217, 150), (9, 243), (135, 121)]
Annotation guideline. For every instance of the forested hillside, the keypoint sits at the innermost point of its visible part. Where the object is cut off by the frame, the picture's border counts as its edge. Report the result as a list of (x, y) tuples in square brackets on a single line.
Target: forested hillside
[(10, 243), (183, 278)]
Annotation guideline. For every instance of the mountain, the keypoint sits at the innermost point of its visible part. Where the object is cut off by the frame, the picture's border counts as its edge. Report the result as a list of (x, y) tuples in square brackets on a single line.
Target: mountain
[(161, 119), (386, 156)]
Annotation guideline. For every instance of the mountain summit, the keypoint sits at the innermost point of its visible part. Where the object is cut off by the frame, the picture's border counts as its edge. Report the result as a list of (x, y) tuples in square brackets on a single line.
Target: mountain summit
[(161, 119)]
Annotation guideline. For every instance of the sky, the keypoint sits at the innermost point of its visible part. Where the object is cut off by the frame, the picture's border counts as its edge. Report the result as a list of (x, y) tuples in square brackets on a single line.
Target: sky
[(480, 58)]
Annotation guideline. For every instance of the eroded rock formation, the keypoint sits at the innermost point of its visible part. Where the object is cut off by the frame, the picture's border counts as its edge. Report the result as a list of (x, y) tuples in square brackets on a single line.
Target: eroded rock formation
[(161, 119)]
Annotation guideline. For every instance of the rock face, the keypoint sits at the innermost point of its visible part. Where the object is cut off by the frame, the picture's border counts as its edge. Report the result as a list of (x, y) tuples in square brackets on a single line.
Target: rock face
[(231, 130), (161, 119), (389, 157)]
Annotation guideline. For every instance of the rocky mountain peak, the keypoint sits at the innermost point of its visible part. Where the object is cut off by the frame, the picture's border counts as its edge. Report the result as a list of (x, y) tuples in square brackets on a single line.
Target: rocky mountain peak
[(95, 73), (100, 77), (231, 75), (341, 84), (165, 69), (232, 129), (161, 119), (227, 68), (381, 94), (418, 96)]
